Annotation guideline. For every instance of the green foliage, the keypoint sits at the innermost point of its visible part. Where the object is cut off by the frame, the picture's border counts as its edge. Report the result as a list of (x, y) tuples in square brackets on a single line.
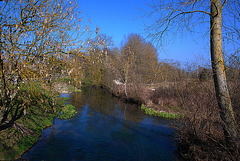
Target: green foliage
[(10, 149), (65, 98), (36, 93), (79, 90), (40, 110), (153, 112), (61, 101), (39, 115), (87, 81), (68, 111), (71, 88)]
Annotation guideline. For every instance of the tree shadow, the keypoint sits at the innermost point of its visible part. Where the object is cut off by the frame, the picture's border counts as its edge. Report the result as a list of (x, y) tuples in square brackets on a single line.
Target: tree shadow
[(17, 114)]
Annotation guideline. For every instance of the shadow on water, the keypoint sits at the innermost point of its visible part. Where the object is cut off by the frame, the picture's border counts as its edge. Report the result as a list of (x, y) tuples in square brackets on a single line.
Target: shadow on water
[(105, 128)]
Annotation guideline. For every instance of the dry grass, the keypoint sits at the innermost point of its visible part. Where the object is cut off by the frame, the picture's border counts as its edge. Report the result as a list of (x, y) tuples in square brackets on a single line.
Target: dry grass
[(200, 136)]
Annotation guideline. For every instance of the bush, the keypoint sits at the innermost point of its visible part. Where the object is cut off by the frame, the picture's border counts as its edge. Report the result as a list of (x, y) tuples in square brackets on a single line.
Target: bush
[(201, 137)]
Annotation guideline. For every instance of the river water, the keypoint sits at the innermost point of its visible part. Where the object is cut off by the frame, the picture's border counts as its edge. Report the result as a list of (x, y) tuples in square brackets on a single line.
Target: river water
[(105, 128)]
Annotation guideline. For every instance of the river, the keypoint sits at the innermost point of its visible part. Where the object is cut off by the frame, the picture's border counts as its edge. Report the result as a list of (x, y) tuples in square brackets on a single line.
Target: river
[(105, 128)]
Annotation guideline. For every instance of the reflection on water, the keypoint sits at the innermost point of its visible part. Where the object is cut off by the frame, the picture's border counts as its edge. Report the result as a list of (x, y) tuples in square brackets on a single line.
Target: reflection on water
[(105, 128)]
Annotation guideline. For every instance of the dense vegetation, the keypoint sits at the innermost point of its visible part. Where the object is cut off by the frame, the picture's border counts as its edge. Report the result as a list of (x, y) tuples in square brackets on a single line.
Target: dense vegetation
[(39, 55), (26, 123)]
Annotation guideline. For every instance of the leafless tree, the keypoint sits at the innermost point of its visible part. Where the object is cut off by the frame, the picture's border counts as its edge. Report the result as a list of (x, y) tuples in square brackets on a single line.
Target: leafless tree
[(172, 17)]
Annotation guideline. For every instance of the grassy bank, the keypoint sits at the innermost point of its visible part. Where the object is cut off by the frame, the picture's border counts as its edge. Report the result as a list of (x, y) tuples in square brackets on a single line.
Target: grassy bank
[(27, 122), (149, 100), (163, 114), (201, 135)]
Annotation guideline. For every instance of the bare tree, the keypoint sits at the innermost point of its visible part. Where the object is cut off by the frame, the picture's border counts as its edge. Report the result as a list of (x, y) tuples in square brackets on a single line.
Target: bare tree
[(171, 17)]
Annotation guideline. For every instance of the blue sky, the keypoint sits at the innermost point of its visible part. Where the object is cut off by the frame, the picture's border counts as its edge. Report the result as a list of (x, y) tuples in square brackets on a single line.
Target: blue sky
[(118, 18)]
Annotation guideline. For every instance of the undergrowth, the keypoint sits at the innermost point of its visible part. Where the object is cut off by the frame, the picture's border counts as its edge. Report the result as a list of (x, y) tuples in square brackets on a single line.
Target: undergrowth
[(33, 109)]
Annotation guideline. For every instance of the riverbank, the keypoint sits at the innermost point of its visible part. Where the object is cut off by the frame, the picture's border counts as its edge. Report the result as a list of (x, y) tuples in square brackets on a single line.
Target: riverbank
[(63, 87), (27, 123), (201, 135), (149, 99)]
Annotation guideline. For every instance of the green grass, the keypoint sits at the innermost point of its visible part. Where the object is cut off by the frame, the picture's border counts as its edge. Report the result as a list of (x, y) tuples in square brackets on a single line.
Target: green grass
[(153, 112), (65, 98), (79, 90), (12, 147), (40, 112), (68, 111)]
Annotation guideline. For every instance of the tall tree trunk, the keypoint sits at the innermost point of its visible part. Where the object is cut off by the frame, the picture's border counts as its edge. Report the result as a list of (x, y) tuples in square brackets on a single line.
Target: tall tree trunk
[(220, 81)]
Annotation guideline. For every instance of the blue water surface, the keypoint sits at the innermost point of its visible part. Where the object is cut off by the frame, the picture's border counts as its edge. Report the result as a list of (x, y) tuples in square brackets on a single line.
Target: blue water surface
[(105, 129)]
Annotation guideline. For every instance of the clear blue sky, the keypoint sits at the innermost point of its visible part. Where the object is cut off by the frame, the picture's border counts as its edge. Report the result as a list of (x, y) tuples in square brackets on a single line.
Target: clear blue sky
[(117, 18)]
